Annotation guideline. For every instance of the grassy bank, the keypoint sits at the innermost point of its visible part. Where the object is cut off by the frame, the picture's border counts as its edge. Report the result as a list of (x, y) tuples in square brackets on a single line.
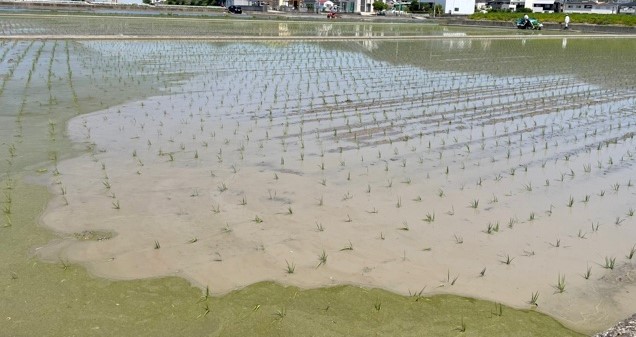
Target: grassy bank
[(594, 19)]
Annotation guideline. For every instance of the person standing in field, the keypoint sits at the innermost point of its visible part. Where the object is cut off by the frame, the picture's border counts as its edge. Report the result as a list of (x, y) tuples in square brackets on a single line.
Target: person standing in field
[(567, 22)]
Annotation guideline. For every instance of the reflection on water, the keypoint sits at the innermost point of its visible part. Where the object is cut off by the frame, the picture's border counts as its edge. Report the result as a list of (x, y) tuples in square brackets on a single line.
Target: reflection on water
[(187, 26), (586, 58)]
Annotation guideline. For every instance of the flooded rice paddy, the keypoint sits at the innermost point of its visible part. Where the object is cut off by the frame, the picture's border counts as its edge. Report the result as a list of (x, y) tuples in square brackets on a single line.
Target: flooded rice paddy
[(494, 169)]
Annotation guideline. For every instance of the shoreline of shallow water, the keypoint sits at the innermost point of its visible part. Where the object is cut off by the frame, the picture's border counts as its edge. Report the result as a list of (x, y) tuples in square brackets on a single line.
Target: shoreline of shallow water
[(60, 299), (102, 152)]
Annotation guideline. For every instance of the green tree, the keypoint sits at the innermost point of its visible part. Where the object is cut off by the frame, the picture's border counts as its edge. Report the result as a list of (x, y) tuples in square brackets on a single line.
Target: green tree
[(415, 6), (380, 6)]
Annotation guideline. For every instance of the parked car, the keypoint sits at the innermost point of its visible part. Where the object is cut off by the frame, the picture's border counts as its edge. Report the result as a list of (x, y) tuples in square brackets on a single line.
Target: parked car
[(235, 9)]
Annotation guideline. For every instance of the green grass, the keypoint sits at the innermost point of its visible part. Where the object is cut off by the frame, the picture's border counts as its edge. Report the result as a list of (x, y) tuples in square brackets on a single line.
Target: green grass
[(596, 19)]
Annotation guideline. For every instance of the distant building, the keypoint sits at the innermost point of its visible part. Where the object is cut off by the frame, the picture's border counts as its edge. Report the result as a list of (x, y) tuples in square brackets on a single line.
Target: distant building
[(229, 3), (627, 8), (543, 6), (591, 7), (457, 7)]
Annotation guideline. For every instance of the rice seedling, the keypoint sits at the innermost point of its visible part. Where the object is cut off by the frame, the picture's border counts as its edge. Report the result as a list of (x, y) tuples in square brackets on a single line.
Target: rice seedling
[(462, 326), (222, 187), (65, 264), (7, 222), (6, 209), (609, 263), (157, 245), (630, 212), (448, 278), (417, 295), (206, 310), (631, 253), (492, 228), (217, 257), (347, 247), (618, 220), (498, 310), (280, 314), (377, 305), (347, 196), (405, 226), (322, 258), (291, 267), (319, 227), (531, 217), (581, 235), (116, 204), (560, 286), (257, 219), (474, 204), (430, 217), (570, 202), (508, 260), (458, 239), (206, 294), (216, 209), (588, 273), (533, 299), (482, 273), (348, 219), (556, 244), (595, 226)]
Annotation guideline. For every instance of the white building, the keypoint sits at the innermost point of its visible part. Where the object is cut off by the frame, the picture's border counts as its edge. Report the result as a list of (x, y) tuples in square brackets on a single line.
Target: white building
[(542, 6), (457, 7), (591, 7)]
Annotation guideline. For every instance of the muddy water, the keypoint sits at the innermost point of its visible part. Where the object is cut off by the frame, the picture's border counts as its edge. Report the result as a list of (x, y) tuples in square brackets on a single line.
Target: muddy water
[(396, 173), (310, 136)]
